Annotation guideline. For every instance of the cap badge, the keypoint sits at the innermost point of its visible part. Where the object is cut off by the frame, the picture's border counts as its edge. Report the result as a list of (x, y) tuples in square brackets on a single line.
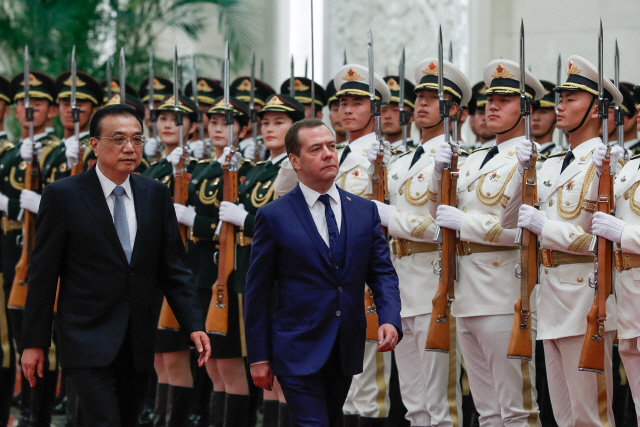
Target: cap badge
[(352, 76), (573, 69), (393, 85), (115, 99), (171, 100), (33, 81), (300, 86), (245, 86), (204, 86), (431, 70), (483, 90), (275, 100), (69, 82), (157, 85), (115, 86), (220, 103), (502, 72)]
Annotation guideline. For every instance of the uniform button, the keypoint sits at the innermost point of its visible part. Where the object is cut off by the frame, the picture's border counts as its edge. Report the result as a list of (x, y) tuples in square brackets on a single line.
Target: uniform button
[(550, 202), (496, 263), (580, 280), (339, 288), (338, 313)]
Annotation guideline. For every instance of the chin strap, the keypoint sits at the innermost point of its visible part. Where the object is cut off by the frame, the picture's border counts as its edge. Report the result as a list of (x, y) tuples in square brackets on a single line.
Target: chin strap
[(511, 128), (358, 130), (437, 124), (584, 119)]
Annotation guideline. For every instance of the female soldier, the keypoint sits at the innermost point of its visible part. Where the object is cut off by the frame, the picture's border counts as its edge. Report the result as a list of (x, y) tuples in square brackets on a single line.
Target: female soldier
[(280, 112)]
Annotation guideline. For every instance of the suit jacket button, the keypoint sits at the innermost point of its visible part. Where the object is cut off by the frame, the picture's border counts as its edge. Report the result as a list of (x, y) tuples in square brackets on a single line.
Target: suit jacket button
[(339, 288), (338, 313), (330, 254), (335, 266)]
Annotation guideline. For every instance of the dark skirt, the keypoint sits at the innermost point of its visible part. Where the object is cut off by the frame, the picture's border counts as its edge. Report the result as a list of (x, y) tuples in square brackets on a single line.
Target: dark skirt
[(170, 340)]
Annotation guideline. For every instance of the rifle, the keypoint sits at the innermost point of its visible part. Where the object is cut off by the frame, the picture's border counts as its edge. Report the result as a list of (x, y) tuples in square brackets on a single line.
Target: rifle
[(180, 192), (558, 83), (521, 341), (441, 325), (18, 295), (619, 113), (405, 116), (218, 317), (75, 116), (194, 83), (592, 356), (253, 111), (153, 113)]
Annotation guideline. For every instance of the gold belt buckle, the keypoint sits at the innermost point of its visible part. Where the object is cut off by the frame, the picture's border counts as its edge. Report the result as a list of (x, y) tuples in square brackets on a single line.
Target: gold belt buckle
[(547, 260), (240, 238), (399, 248), (618, 260)]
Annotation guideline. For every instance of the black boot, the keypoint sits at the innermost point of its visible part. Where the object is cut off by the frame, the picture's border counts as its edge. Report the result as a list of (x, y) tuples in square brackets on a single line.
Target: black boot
[(371, 422), (178, 402), (216, 409), (350, 420), (270, 409), (7, 383), (160, 409), (48, 397), (283, 416), (235, 410)]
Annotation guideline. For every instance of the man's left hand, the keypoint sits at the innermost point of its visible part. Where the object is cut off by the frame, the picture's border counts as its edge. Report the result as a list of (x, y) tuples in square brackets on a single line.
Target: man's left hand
[(203, 345), (387, 337)]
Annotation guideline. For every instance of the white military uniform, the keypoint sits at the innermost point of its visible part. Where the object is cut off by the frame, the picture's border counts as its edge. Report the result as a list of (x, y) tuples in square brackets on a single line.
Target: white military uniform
[(564, 295), (503, 389), (398, 145), (428, 380)]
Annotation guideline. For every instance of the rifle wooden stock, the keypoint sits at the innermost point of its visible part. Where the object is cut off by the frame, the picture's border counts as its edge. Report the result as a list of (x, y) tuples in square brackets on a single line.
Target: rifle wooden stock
[(520, 341), (217, 321), (372, 316), (79, 167), (167, 319), (592, 356), (18, 294), (439, 334), (379, 179)]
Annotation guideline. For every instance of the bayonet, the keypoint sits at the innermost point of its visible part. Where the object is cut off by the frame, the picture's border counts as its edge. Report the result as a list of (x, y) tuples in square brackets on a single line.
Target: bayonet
[(109, 65), (196, 101), (292, 81), (228, 112), (375, 104), (404, 115), (619, 113), (344, 56), (28, 109), (123, 77), (450, 51), (252, 109), (262, 69), (603, 103), (313, 80), (75, 111), (306, 60), (153, 113), (454, 118), (176, 98), (558, 83)]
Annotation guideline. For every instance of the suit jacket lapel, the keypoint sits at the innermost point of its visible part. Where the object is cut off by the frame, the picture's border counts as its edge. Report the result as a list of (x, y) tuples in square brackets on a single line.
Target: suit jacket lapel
[(299, 205), (349, 220), (141, 202), (94, 199)]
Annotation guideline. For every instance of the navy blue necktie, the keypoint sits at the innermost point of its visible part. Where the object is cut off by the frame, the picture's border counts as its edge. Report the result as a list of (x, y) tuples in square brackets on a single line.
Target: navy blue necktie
[(416, 156), (344, 155), (567, 160), (489, 156), (332, 225)]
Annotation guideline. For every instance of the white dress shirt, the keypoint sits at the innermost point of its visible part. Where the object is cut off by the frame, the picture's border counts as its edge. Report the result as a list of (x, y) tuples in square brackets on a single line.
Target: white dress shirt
[(277, 158), (107, 188), (316, 207)]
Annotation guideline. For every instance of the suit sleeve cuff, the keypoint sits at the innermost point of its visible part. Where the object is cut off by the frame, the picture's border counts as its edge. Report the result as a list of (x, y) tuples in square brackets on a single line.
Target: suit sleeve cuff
[(262, 362)]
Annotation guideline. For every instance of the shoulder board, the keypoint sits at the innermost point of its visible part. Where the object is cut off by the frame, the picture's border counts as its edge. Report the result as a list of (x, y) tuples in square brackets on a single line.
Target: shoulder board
[(408, 152), (560, 154), (621, 162), (205, 161), (153, 163), (396, 152), (247, 161), (480, 149), (341, 145), (637, 156), (51, 140), (6, 145), (193, 159), (542, 157), (462, 153), (261, 162)]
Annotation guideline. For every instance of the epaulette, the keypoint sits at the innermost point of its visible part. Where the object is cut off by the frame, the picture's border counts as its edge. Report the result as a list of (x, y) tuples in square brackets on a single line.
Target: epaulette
[(205, 160), (154, 163), (561, 153), (480, 149), (542, 157), (395, 151), (341, 145), (462, 152), (637, 156), (261, 162), (621, 162), (408, 152), (245, 161)]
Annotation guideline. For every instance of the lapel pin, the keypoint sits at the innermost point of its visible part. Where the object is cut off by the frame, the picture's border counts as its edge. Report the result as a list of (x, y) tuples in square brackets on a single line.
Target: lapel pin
[(348, 198)]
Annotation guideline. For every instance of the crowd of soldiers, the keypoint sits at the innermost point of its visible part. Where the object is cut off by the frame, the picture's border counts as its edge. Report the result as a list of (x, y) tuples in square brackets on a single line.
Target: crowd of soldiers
[(472, 384)]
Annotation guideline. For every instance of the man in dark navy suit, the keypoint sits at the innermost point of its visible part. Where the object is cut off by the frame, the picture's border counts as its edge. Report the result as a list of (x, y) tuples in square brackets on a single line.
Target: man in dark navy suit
[(317, 245)]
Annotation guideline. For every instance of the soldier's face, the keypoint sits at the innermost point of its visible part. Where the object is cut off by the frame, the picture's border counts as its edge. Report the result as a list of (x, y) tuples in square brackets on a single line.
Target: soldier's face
[(43, 111), (390, 119), (334, 117), (117, 162), (572, 108), (479, 126), (168, 131), (274, 127), (427, 112), (147, 113), (355, 112), (205, 119), (218, 131), (502, 112), (542, 120), (307, 111), (318, 160), (87, 110)]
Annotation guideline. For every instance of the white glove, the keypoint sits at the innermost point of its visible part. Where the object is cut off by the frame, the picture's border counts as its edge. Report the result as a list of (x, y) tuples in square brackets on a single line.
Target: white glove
[(236, 159), (374, 149), (71, 150), (151, 148), (448, 216), (4, 204), (385, 212), (186, 214), (442, 157), (174, 157), (30, 200), (532, 219), (231, 213), (196, 149), (249, 151), (286, 164), (523, 153), (26, 149), (616, 154), (607, 226)]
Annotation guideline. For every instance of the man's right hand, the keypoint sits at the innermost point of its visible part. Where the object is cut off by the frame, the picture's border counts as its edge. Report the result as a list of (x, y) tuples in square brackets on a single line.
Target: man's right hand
[(262, 375), (32, 362)]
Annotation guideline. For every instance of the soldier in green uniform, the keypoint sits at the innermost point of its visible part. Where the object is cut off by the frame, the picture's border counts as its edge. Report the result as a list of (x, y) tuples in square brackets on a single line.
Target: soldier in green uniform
[(279, 113), (208, 91), (631, 140), (13, 199), (241, 89), (390, 113), (115, 89), (226, 367), (303, 95), (162, 87), (334, 108)]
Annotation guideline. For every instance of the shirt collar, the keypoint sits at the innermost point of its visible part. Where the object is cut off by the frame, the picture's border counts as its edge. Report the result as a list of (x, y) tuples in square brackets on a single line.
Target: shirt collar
[(3, 133), (311, 196), (37, 137), (80, 135), (546, 144), (108, 185), (277, 158), (627, 144), (362, 143)]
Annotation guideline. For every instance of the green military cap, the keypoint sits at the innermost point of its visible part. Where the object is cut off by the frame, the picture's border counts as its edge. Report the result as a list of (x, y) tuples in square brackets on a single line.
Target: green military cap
[(240, 109), (633, 90), (330, 92), (502, 77), (548, 99), (162, 87), (241, 89), (285, 104), (583, 76), (87, 88), (5, 93), (303, 91), (208, 90), (628, 99), (115, 88), (478, 97), (394, 86), (454, 81), (40, 86), (132, 100), (185, 104)]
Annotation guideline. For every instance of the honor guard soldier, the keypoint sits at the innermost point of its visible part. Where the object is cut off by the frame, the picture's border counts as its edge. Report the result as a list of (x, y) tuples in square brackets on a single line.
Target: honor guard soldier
[(486, 289), (543, 121), (241, 89), (162, 88), (631, 140), (564, 295), (478, 118), (303, 95), (115, 89), (208, 91), (629, 114), (390, 113), (226, 367), (334, 107), (428, 380), (13, 165)]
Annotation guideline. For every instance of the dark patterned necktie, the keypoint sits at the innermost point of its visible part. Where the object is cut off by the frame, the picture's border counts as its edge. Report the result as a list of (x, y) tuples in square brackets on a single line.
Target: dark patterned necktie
[(332, 225)]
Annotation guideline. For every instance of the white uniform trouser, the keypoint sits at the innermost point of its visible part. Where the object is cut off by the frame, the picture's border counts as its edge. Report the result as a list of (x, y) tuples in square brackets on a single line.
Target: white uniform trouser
[(578, 398), (630, 354), (369, 392), (503, 389), (428, 380)]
